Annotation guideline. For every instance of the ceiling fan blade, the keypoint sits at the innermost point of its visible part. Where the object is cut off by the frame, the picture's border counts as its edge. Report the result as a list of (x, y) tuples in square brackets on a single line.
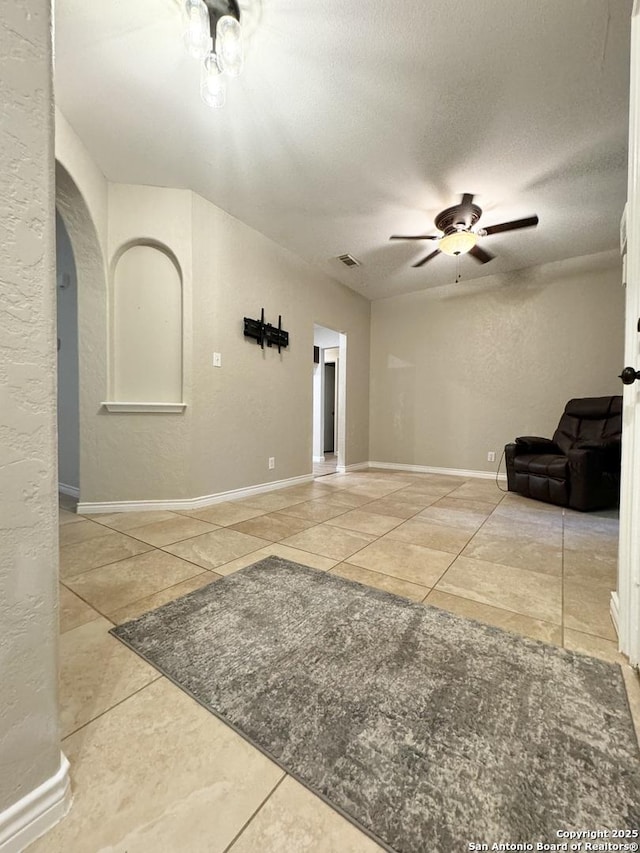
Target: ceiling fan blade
[(481, 255), (529, 222), (428, 258), (416, 237), (466, 211)]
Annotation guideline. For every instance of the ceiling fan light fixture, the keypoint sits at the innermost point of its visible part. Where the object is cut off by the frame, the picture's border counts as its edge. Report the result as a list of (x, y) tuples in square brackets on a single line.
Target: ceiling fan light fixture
[(197, 34), (212, 88), (229, 49), (214, 36), (458, 243)]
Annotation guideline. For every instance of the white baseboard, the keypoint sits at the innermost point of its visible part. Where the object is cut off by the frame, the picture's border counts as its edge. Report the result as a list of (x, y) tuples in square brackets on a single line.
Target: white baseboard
[(89, 507), (37, 812), (71, 491), (428, 469), (319, 458), (358, 466)]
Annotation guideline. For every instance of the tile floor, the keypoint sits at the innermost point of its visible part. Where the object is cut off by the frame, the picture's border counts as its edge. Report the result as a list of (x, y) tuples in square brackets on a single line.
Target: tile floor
[(153, 771), (329, 465)]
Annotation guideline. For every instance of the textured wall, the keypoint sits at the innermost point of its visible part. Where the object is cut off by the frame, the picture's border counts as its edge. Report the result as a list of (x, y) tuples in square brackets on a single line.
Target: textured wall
[(461, 370), (29, 745), (88, 179), (146, 456), (260, 403)]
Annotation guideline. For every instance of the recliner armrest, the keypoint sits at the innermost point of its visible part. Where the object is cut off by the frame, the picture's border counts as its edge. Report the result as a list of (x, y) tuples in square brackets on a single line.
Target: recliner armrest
[(598, 444), (535, 444), (608, 451)]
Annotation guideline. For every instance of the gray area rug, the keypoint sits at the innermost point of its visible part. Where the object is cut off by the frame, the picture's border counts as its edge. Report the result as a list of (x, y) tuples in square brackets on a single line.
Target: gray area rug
[(427, 730)]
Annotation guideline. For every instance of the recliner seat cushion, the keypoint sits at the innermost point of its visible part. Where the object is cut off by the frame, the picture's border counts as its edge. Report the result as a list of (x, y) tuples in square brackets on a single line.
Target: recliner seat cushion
[(543, 464)]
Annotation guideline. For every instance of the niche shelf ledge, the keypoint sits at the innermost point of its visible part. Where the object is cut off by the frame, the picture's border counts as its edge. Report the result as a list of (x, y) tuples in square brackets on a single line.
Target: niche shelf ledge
[(139, 408)]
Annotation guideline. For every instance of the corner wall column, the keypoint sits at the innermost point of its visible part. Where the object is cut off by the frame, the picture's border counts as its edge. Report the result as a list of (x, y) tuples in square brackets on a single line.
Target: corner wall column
[(33, 774)]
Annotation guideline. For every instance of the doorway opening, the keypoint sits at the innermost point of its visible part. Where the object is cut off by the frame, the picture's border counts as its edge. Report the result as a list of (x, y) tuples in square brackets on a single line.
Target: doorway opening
[(329, 410), (83, 293), (68, 375)]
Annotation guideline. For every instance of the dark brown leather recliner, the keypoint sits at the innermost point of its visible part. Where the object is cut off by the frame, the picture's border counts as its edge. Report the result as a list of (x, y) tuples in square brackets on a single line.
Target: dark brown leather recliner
[(580, 467)]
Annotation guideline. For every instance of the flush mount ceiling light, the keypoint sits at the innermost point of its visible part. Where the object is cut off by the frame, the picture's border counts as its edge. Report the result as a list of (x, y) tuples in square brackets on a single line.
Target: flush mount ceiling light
[(213, 35)]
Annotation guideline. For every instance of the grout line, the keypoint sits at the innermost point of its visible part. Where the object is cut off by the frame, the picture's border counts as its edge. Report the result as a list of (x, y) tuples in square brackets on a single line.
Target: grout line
[(379, 535), (493, 607), (65, 582), (215, 571), (165, 589), (455, 559), (311, 500), (402, 521), (112, 707), (376, 572), (508, 565), (88, 603), (112, 563), (186, 538), (253, 815)]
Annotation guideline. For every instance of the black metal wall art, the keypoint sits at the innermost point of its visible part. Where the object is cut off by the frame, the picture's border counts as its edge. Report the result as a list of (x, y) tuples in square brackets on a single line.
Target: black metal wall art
[(265, 332)]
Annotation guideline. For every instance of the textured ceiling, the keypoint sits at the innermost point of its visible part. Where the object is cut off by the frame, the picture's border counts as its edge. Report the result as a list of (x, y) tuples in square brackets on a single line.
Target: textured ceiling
[(356, 120)]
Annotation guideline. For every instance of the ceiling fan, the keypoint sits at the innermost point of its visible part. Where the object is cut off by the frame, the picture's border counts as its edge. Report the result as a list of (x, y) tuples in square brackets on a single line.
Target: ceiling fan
[(458, 238)]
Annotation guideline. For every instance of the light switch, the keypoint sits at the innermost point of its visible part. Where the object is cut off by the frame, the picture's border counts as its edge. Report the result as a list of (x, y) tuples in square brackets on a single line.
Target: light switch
[(217, 359)]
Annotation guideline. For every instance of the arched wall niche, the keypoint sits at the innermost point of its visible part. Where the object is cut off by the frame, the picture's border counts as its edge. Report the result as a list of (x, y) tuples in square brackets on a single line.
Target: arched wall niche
[(145, 328)]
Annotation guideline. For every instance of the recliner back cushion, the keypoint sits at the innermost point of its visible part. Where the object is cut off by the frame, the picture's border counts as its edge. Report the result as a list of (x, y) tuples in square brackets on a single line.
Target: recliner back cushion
[(589, 419)]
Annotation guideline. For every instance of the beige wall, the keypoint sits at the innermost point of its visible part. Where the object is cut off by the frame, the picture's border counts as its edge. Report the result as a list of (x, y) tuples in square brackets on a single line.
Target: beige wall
[(146, 456), (29, 743), (463, 369), (258, 404)]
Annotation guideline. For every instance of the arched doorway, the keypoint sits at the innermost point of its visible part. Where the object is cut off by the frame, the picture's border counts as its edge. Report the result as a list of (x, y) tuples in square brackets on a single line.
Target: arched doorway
[(80, 268)]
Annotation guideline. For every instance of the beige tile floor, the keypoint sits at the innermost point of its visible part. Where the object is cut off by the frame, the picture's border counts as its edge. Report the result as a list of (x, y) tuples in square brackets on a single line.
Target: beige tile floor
[(153, 771), (328, 466)]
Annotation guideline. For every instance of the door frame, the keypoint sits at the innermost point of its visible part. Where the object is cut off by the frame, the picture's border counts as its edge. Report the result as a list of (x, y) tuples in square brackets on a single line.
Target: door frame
[(625, 602), (330, 400), (340, 410)]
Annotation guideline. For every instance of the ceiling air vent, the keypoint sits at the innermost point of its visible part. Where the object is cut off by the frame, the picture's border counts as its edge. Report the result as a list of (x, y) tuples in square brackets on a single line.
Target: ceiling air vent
[(349, 260)]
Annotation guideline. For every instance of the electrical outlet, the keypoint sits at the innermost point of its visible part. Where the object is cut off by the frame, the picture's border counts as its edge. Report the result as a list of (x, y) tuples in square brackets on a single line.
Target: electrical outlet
[(272, 462), (217, 359), (491, 456)]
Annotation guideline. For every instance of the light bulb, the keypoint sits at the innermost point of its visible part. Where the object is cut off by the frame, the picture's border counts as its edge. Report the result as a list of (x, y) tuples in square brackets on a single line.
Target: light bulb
[(212, 86), (197, 36), (229, 49)]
